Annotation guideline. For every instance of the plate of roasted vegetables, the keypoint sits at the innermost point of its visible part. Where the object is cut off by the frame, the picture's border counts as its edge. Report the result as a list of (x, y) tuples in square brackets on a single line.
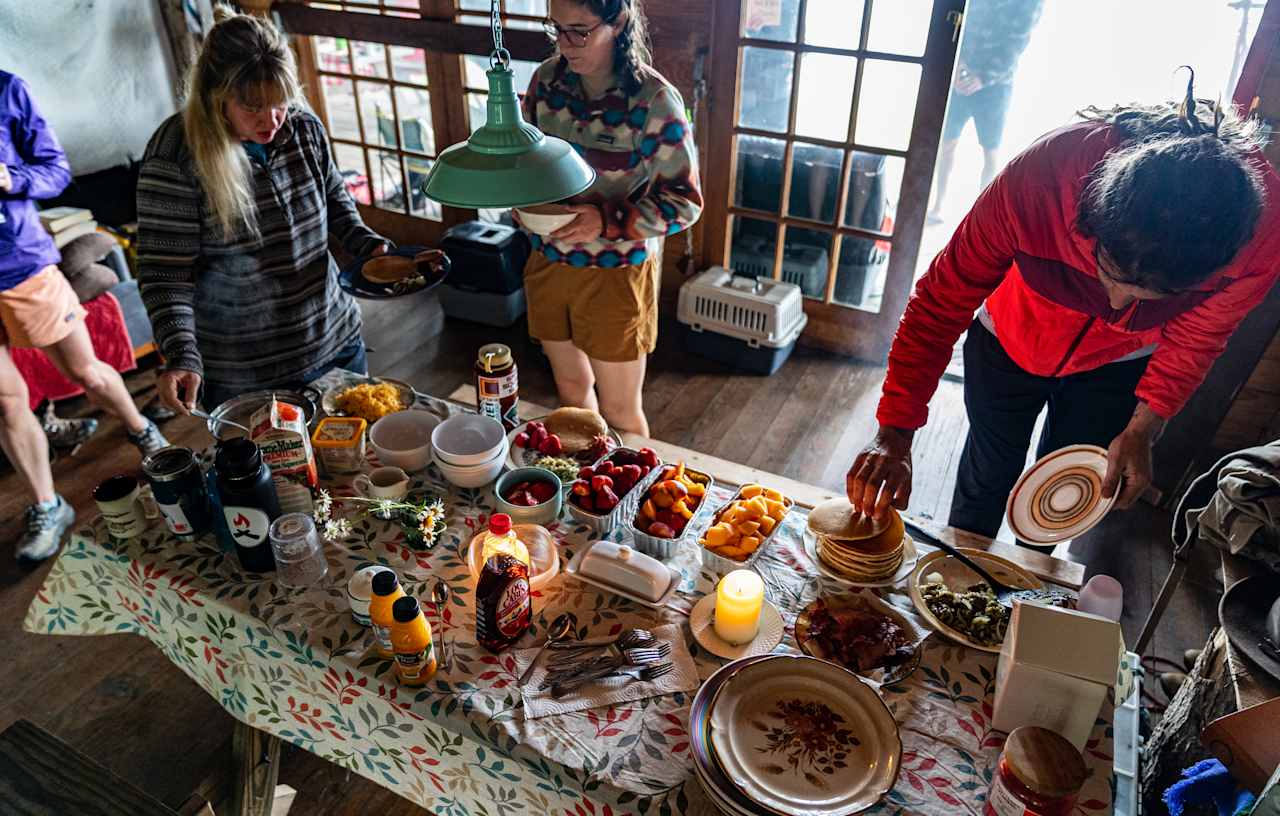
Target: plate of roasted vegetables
[(955, 601)]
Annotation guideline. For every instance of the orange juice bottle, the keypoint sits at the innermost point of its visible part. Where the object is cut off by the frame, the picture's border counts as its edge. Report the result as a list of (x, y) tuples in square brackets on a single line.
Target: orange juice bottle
[(411, 641), (386, 591)]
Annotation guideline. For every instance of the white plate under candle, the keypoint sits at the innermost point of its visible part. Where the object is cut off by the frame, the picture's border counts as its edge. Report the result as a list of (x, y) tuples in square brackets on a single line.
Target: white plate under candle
[(702, 622)]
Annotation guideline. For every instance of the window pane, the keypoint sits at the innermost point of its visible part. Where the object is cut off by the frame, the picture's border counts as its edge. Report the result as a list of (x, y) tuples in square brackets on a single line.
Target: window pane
[(375, 110), (477, 109), (875, 182), (350, 161), (834, 23), (754, 241), (414, 107), (385, 167), (404, 4), (765, 93), (759, 176), (861, 272), (331, 55), (416, 170), (409, 64), (532, 8), (371, 58), (815, 182), (900, 27), (826, 96), (340, 101), (475, 69), (474, 5), (804, 260), (888, 104), (770, 19)]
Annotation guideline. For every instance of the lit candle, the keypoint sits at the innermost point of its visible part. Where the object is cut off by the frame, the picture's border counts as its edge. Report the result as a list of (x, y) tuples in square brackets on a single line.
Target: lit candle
[(739, 597)]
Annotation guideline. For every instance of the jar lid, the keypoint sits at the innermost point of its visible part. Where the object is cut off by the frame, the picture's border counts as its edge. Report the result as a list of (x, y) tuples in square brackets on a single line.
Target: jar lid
[(494, 355), (238, 458), (167, 464), (1045, 762)]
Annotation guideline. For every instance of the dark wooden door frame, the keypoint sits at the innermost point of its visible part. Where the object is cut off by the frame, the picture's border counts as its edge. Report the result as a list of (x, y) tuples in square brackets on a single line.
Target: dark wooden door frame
[(1185, 449)]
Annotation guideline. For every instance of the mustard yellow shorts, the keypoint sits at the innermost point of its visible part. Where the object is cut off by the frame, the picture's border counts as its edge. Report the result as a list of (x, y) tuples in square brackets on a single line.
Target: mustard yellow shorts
[(40, 311), (611, 314)]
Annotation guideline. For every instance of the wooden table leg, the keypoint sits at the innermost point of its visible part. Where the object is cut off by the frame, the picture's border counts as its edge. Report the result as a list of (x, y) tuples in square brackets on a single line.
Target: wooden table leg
[(256, 758)]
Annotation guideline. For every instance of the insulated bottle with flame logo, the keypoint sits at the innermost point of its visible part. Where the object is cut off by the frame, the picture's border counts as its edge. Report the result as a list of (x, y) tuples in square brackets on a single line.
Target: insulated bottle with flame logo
[(249, 502)]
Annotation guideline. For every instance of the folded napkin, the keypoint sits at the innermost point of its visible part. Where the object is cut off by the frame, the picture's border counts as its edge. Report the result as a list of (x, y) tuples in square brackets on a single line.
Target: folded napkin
[(538, 701)]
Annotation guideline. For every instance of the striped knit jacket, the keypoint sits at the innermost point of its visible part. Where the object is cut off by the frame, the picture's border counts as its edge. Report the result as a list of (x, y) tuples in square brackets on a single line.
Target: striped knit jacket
[(643, 152), (258, 310)]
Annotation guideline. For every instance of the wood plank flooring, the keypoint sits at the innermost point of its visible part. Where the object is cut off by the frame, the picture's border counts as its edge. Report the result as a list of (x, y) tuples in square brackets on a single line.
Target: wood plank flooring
[(122, 703)]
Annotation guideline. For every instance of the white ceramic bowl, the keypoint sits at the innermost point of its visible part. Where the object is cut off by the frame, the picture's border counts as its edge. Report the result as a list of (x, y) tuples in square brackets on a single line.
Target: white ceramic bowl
[(545, 219), (403, 439), (474, 475), (468, 439)]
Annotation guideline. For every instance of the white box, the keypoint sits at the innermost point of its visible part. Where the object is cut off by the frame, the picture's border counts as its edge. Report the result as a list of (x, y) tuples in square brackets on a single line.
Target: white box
[(1056, 667)]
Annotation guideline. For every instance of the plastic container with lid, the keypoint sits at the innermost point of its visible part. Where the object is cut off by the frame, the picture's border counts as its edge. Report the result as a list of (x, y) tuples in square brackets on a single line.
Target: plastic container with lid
[(1040, 773), (360, 591), (339, 442)]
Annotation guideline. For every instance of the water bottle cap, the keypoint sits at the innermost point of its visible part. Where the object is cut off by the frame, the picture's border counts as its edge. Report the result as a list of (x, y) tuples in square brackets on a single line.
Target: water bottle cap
[(500, 523)]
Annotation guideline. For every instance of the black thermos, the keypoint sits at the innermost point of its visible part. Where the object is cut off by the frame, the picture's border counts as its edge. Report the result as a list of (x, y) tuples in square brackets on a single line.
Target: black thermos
[(249, 501)]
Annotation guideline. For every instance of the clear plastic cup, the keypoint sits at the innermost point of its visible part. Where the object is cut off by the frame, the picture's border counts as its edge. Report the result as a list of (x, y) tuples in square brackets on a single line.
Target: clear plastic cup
[(300, 560)]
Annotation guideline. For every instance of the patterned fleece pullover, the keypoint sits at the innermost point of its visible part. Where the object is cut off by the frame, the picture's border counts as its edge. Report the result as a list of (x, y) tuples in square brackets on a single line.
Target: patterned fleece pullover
[(642, 149)]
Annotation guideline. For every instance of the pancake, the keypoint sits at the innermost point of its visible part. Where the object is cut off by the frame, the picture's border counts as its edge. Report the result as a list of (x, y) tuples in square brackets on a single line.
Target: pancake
[(576, 427), (855, 546), (388, 268)]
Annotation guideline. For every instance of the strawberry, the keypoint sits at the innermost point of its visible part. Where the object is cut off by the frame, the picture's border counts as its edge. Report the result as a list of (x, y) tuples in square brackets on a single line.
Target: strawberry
[(586, 473), (581, 488), (648, 457), (551, 446), (634, 472), (522, 439), (599, 483), (606, 500), (542, 491)]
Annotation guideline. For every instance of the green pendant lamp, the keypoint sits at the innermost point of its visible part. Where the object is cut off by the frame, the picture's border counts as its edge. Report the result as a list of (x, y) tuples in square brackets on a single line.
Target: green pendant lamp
[(507, 162)]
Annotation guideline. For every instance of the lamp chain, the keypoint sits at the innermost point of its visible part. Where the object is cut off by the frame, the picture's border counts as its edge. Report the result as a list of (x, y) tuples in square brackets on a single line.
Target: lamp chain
[(500, 55)]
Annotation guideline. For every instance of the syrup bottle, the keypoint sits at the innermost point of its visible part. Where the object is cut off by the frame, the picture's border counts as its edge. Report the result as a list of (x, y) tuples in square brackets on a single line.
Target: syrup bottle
[(504, 608)]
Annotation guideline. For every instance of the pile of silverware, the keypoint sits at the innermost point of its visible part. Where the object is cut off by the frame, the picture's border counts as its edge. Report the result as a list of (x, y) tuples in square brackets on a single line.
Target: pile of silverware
[(634, 654)]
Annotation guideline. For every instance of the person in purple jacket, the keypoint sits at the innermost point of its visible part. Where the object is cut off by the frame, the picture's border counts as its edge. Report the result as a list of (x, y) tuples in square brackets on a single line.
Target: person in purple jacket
[(38, 309)]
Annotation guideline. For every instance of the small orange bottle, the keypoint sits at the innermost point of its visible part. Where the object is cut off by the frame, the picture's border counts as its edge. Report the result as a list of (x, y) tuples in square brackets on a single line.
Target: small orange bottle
[(411, 640), (386, 591)]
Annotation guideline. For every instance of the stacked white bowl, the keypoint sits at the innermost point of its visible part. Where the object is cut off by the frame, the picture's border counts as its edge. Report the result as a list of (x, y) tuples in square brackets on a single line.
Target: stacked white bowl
[(470, 449)]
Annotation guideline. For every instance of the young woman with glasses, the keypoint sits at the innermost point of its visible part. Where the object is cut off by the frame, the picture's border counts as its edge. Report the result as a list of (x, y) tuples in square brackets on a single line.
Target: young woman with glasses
[(592, 285)]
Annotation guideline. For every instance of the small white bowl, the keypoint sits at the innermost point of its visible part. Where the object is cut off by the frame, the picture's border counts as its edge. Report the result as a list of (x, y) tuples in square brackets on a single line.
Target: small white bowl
[(468, 439), (474, 475), (545, 219), (403, 439)]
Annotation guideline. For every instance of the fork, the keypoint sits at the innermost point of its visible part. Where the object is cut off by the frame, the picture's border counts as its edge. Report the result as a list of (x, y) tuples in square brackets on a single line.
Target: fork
[(645, 674), (631, 638), (566, 666)]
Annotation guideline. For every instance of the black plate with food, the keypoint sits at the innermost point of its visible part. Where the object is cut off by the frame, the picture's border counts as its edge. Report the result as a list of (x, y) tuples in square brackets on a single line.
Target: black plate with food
[(407, 270)]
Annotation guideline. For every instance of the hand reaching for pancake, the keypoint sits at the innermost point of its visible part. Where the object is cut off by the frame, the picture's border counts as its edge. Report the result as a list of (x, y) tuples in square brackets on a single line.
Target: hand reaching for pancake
[(881, 473)]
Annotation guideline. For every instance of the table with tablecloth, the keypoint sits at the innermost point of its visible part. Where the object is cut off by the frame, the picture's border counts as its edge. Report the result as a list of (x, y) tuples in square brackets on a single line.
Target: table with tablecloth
[(293, 663)]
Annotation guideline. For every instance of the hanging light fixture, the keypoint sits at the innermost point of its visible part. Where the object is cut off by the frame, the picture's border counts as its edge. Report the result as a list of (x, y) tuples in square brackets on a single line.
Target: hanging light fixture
[(507, 162)]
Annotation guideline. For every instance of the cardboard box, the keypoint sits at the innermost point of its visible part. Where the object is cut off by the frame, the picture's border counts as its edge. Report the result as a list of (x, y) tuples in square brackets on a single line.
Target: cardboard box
[(1056, 667), (1246, 743)]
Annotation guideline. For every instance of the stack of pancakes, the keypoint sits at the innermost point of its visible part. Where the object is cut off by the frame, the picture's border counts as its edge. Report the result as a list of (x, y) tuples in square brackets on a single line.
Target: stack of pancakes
[(856, 547)]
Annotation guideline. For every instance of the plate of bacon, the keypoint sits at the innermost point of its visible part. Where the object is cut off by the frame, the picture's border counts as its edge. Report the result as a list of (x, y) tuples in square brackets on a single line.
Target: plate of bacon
[(861, 633)]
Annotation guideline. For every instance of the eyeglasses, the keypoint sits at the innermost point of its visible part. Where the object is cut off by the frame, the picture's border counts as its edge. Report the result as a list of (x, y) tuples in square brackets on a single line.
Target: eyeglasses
[(576, 37)]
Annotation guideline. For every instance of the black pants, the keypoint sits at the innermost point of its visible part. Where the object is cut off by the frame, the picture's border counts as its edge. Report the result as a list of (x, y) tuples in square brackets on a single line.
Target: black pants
[(1003, 401)]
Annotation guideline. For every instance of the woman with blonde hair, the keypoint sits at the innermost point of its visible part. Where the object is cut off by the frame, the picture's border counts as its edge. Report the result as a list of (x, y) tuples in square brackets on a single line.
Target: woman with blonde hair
[(237, 197), (592, 285)]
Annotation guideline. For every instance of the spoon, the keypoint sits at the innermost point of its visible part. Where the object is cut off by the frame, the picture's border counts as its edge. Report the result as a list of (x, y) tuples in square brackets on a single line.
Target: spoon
[(196, 412), (1005, 594), (439, 596), (561, 629)]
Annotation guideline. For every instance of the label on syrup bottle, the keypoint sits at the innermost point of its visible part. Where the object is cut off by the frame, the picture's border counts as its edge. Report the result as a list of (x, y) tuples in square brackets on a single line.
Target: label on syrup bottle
[(514, 611)]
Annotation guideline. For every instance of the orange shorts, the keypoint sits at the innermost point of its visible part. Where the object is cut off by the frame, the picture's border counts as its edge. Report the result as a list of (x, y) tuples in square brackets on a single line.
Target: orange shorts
[(611, 314), (40, 311)]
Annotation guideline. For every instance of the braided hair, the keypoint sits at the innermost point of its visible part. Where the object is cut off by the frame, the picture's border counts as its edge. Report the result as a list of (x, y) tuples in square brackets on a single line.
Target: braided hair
[(631, 43), (1179, 198)]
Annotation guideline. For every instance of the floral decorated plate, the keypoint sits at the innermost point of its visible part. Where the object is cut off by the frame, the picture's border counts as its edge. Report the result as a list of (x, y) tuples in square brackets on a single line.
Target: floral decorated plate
[(806, 736)]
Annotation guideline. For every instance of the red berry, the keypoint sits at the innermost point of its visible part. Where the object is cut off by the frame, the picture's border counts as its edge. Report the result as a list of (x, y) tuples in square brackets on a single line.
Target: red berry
[(551, 446), (522, 440)]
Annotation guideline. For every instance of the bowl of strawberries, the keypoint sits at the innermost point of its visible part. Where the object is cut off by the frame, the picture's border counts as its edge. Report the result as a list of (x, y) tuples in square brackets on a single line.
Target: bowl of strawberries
[(610, 489), (529, 495)]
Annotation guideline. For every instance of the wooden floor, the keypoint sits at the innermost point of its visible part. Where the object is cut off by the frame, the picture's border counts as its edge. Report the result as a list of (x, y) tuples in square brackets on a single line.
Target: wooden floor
[(119, 701)]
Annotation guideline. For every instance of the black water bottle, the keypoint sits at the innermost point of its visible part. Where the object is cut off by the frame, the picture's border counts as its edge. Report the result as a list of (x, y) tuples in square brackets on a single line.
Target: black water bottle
[(249, 501)]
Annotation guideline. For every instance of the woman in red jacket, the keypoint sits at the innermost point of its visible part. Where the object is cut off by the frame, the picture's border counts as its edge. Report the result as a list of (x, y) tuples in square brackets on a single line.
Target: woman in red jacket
[(1107, 266)]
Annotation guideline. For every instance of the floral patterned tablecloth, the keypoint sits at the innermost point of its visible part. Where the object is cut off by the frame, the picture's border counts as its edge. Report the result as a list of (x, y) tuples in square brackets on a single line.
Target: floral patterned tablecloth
[(293, 663)]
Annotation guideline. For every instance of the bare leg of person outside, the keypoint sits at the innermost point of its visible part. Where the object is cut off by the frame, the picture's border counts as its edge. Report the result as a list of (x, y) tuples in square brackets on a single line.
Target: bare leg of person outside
[(620, 386), (73, 356)]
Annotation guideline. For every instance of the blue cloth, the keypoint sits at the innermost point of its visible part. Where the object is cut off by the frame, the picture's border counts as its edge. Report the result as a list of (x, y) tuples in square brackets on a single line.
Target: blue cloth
[(39, 170), (257, 152), (1206, 782)]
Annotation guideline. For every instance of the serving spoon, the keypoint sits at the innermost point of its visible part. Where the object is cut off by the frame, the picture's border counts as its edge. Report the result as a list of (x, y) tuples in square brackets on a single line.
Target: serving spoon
[(197, 412), (1005, 594), (560, 629)]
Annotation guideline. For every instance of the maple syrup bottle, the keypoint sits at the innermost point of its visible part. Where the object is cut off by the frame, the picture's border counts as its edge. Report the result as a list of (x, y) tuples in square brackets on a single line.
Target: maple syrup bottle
[(504, 608)]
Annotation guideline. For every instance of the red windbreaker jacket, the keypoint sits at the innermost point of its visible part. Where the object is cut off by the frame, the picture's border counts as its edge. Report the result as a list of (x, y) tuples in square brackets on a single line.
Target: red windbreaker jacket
[(1019, 251)]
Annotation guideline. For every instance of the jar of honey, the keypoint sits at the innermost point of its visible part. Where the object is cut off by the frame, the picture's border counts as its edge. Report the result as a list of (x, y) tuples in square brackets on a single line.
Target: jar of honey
[(1039, 774), (498, 385)]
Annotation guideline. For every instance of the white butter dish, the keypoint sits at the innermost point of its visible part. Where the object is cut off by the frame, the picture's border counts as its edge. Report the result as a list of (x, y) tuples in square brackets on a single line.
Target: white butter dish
[(626, 572)]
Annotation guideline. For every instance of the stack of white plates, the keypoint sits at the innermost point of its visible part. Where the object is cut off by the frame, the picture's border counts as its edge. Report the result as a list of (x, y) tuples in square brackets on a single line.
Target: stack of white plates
[(781, 734)]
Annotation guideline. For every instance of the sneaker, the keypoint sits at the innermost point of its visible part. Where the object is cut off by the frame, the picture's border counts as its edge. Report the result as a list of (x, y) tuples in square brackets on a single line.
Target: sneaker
[(67, 433), (149, 439), (45, 526)]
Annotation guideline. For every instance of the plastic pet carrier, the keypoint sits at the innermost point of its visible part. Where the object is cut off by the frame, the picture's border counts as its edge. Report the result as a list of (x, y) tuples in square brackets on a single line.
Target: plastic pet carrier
[(748, 323)]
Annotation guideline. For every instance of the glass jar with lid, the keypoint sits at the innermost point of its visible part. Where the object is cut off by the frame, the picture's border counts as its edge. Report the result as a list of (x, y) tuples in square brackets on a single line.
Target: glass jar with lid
[(1040, 773)]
